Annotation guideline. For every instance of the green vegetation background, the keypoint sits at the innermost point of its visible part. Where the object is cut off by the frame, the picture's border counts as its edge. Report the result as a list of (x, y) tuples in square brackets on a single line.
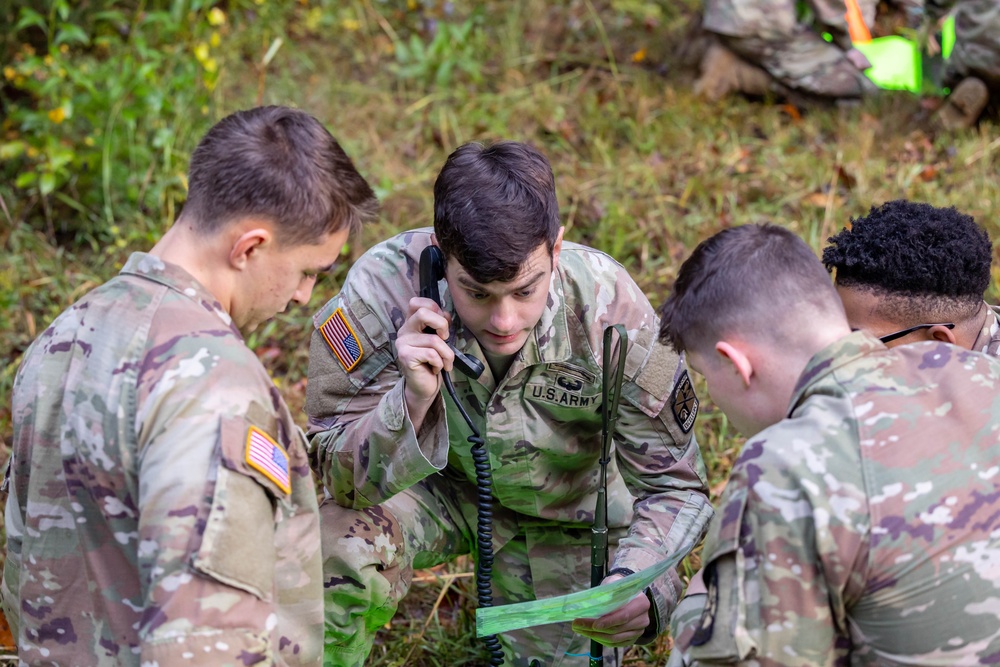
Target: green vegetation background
[(101, 102)]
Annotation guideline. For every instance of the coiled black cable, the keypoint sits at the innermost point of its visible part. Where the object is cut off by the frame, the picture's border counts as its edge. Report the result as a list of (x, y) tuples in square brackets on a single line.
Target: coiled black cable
[(484, 520)]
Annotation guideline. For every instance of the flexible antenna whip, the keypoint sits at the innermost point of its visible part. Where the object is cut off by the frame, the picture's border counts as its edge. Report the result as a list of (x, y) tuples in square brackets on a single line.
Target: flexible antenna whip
[(611, 393)]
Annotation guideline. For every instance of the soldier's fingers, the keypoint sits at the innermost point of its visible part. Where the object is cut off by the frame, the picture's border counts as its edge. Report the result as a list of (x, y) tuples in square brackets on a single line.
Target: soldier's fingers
[(423, 313), (613, 639), (419, 349)]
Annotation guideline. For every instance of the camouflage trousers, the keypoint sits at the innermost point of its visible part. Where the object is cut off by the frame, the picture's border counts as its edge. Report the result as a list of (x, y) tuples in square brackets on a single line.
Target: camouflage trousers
[(803, 63), (977, 44), (369, 557)]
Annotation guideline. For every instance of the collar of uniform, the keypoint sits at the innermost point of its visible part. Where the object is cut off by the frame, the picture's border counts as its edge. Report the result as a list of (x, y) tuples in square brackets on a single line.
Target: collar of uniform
[(830, 358), (153, 268), (988, 340)]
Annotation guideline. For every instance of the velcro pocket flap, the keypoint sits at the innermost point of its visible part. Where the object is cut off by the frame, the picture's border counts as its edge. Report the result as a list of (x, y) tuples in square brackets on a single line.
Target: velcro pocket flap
[(237, 546)]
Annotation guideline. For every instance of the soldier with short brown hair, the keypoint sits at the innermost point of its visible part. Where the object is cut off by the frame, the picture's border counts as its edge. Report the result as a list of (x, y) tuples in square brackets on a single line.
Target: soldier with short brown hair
[(161, 507), (394, 453), (859, 522)]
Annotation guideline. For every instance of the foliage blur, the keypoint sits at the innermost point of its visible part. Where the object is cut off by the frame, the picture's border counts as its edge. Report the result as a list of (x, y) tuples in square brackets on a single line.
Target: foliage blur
[(102, 102)]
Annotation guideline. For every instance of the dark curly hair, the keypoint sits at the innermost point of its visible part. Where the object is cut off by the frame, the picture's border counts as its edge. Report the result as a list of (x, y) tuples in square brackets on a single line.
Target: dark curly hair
[(919, 257)]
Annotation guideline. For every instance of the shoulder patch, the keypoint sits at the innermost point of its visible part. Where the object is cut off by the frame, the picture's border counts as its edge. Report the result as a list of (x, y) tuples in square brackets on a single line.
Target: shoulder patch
[(268, 457), (339, 335), (684, 403)]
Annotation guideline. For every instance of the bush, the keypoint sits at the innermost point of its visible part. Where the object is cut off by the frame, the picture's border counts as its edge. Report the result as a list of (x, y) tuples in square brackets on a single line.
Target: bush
[(100, 104)]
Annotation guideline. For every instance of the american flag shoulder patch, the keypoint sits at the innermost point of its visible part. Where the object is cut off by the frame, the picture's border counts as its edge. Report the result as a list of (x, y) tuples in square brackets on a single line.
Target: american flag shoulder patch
[(268, 458), (342, 340)]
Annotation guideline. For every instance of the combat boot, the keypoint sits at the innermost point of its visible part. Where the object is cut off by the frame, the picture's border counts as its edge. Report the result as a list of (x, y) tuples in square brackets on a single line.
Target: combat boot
[(724, 72), (962, 108)]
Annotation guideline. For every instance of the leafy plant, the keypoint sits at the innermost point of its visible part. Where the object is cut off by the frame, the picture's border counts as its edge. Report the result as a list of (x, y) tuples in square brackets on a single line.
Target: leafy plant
[(452, 48), (100, 107)]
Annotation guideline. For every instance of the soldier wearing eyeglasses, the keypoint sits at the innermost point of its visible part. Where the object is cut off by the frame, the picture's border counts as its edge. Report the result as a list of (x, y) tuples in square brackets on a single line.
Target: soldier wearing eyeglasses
[(909, 272)]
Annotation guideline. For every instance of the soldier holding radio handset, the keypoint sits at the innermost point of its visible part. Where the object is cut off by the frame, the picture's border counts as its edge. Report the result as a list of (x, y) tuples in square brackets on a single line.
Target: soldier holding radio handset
[(394, 453)]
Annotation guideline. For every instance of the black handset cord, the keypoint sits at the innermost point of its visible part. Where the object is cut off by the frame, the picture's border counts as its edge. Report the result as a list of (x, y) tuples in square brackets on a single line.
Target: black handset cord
[(431, 271), (484, 519)]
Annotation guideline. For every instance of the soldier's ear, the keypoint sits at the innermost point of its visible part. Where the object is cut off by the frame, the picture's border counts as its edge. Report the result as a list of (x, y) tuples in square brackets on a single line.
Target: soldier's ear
[(942, 334), (557, 247), (733, 357), (246, 245)]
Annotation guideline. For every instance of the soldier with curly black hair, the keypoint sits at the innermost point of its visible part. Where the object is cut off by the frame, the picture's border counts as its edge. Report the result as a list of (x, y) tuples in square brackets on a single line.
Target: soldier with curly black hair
[(909, 271)]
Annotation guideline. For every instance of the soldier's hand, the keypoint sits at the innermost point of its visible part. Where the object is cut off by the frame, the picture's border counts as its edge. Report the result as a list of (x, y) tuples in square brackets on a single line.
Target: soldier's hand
[(618, 628), (422, 356)]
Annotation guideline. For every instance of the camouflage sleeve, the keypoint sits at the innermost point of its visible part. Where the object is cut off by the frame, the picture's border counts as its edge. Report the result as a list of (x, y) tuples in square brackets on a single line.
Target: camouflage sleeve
[(787, 556), (363, 443), (10, 587), (660, 462), (206, 552)]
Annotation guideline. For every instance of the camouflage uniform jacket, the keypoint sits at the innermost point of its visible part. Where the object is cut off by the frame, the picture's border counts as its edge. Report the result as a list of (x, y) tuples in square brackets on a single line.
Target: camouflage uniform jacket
[(161, 506), (779, 19), (862, 529), (541, 422), (988, 340)]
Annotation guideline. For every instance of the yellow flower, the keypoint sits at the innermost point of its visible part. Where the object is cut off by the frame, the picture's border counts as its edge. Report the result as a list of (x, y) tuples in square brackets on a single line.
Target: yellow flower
[(47, 60), (412, 4), (88, 141), (639, 56), (9, 73), (216, 16), (215, 40), (210, 64), (351, 24), (313, 19), (201, 52), (57, 115), (64, 48), (32, 152)]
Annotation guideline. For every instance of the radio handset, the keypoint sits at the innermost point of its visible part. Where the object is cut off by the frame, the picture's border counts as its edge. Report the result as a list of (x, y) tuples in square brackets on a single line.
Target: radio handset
[(432, 271)]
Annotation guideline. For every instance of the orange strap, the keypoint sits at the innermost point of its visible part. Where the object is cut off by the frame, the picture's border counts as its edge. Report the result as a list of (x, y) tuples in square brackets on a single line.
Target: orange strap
[(856, 23)]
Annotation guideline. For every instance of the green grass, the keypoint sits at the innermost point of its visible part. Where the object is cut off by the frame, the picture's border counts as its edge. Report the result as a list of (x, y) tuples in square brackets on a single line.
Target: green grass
[(644, 171)]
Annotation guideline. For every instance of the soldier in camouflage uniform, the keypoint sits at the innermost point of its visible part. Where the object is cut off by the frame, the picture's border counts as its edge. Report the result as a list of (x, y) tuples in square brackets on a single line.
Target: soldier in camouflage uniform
[(973, 69), (162, 510), (777, 46), (910, 271), (393, 450), (859, 523)]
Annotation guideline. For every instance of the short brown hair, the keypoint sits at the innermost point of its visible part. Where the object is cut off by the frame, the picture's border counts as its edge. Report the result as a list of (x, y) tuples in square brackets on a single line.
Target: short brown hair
[(493, 206), (746, 279), (281, 164)]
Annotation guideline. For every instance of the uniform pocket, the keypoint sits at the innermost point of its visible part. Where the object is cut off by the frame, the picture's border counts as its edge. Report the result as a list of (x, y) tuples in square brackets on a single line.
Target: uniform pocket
[(731, 616), (237, 546)]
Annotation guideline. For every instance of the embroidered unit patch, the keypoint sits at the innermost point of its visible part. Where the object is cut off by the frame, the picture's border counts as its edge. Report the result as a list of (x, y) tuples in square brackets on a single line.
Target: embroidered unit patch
[(684, 403), (342, 340), (268, 457)]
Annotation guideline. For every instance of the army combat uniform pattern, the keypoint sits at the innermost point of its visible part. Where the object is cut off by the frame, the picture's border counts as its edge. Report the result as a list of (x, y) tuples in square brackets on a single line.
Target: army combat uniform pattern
[(988, 340), (161, 508), (774, 35), (977, 40), (404, 500), (862, 529)]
